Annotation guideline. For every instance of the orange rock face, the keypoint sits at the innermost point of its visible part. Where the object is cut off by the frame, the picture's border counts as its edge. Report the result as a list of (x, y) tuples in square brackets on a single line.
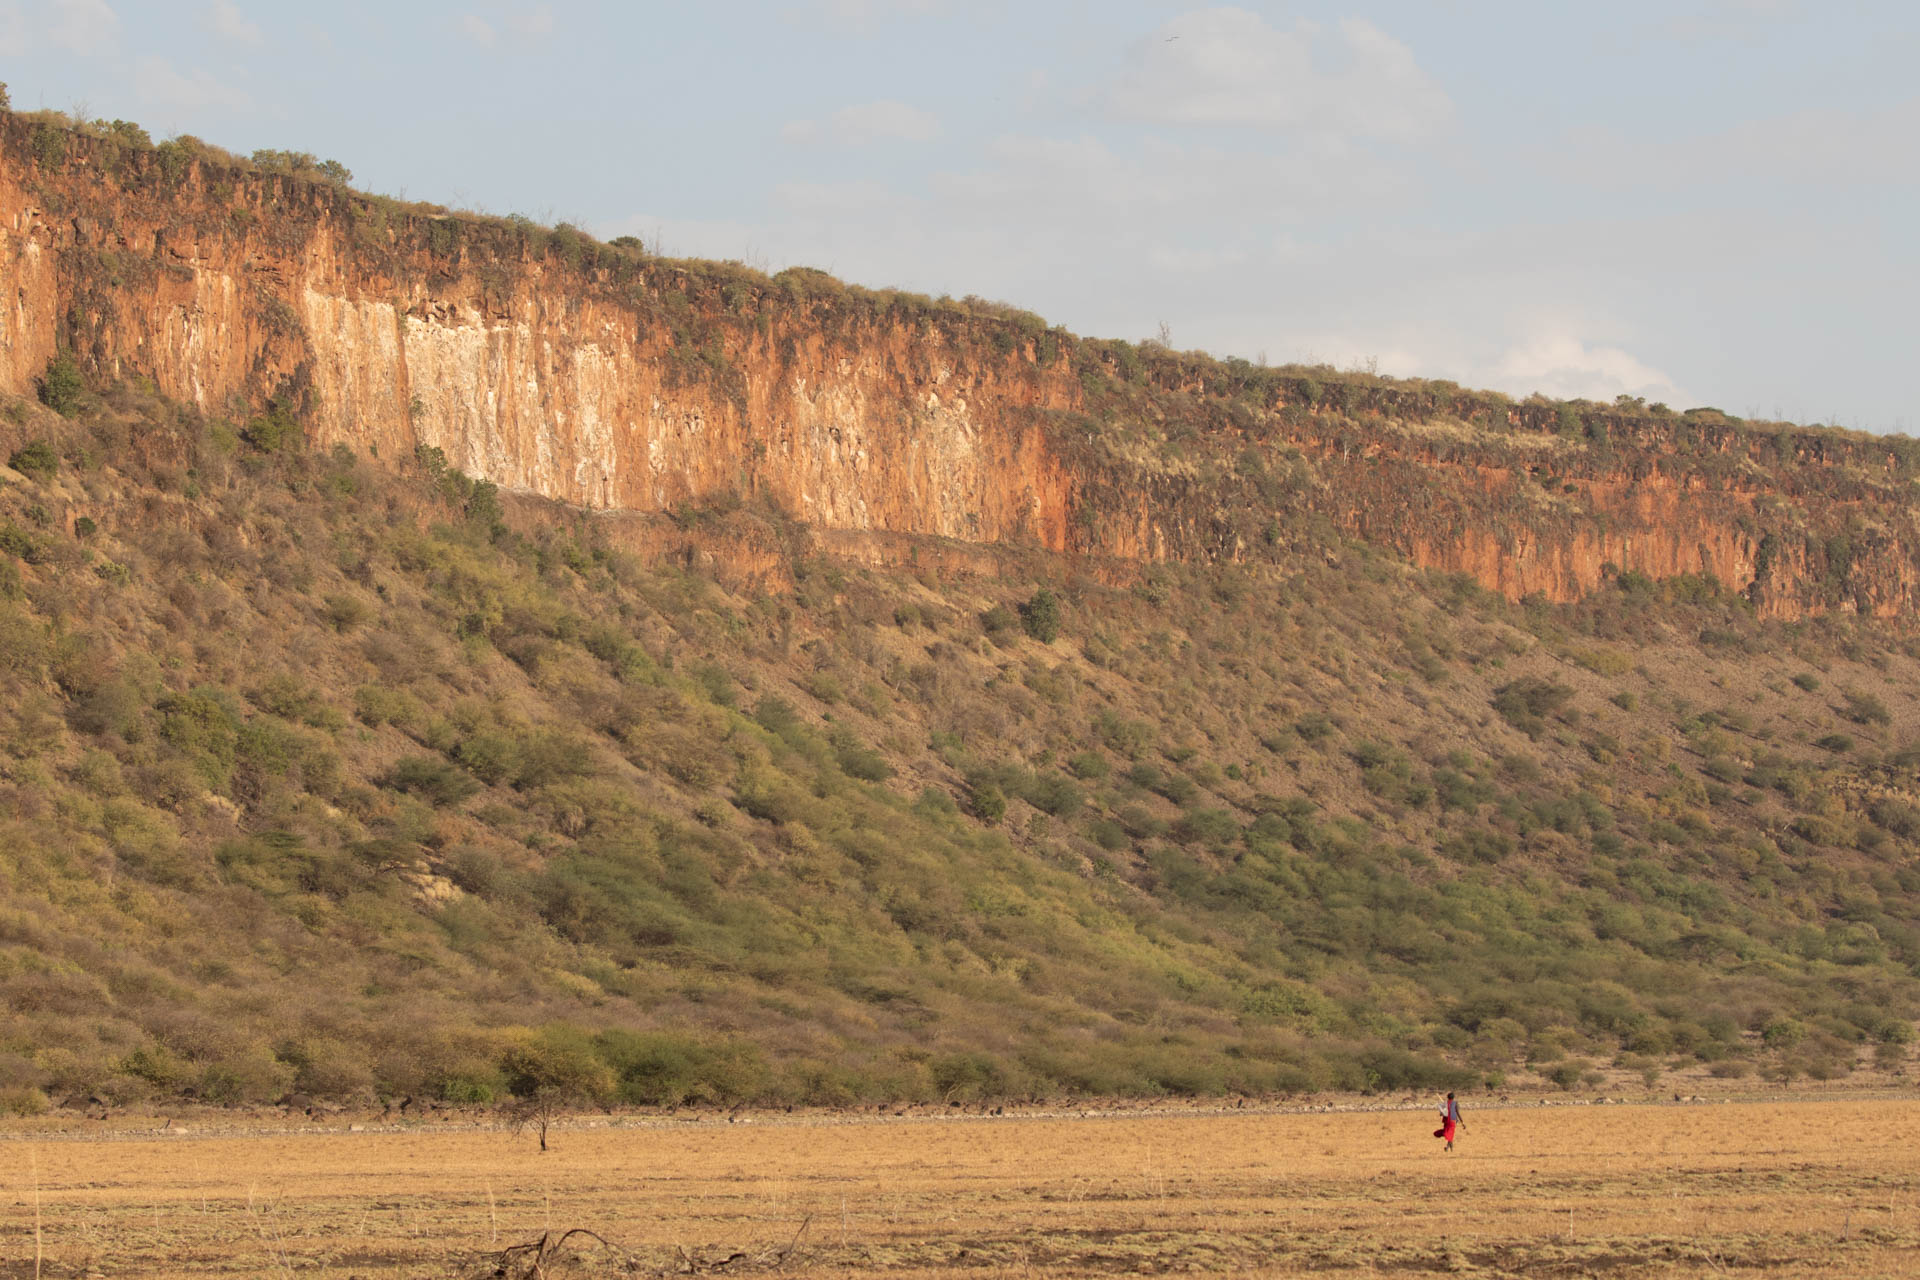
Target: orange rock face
[(643, 388)]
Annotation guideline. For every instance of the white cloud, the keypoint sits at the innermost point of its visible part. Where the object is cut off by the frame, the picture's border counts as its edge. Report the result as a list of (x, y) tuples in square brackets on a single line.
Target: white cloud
[(84, 27), (884, 122), (1160, 186), (225, 20), (865, 123), (1227, 66), (157, 81), (534, 23), (1565, 367)]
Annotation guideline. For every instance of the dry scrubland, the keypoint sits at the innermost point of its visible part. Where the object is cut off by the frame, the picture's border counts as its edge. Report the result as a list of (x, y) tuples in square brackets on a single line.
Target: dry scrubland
[(341, 779), (1773, 1189)]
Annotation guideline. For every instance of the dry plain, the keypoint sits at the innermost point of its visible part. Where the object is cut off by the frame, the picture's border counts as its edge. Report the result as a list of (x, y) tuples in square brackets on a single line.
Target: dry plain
[(1768, 1189)]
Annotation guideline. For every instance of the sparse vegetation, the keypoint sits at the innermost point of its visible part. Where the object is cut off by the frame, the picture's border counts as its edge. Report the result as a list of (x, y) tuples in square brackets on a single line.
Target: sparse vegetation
[(487, 740), (1281, 813)]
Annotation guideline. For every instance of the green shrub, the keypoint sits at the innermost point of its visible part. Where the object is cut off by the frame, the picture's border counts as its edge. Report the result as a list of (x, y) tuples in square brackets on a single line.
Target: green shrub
[(491, 757), (666, 1068), (37, 459), (1089, 765), (1054, 794), (1211, 827), (433, 779), (274, 431), (1313, 727), (1865, 708), (857, 760), (49, 145), (1896, 816), (987, 802), (1525, 703), (205, 726), (1041, 616), (1120, 735), (1783, 1033), (1567, 1075)]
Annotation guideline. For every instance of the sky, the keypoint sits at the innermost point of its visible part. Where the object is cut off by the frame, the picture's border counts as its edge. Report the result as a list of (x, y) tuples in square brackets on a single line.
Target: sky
[(1701, 202)]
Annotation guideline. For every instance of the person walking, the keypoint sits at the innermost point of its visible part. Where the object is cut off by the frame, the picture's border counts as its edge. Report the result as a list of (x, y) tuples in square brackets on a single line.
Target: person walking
[(1450, 1121)]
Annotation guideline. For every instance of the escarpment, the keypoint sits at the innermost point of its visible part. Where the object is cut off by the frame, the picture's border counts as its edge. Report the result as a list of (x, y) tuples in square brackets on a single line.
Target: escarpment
[(603, 377)]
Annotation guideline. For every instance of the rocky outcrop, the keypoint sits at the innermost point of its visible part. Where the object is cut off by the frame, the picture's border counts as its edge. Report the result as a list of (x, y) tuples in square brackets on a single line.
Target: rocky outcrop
[(603, 378)]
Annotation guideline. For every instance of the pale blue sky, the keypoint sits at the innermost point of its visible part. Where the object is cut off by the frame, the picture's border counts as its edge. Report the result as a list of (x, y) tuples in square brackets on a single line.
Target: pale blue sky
[(1703, 201)]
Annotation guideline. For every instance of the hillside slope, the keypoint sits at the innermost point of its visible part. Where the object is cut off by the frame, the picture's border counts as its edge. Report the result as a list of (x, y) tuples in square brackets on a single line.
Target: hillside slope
[(338, 777)]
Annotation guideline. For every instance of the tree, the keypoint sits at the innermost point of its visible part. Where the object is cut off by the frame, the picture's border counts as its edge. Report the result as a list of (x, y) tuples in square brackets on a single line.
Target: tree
[(550, 1074)]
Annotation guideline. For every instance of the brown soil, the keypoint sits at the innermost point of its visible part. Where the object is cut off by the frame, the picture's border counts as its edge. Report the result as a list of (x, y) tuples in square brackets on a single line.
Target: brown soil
[(1775, 1188)]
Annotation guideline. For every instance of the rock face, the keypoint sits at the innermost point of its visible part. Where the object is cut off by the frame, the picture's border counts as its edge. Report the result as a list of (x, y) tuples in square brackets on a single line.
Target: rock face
[(631, 386)]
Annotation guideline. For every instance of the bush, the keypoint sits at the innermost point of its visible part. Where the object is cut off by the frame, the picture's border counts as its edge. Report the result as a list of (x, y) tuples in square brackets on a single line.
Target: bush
[(433, 779), (1568, 1074), (863, 762), (205, 727), (1041, 616), (1089, 766), (274, 431), (49, 144), (1313, 727), (665, 1068), (1054, 794), (1865, 708), (36, 458), (1526, 702), (1895, 816), (987, 802), (1783, 1033)]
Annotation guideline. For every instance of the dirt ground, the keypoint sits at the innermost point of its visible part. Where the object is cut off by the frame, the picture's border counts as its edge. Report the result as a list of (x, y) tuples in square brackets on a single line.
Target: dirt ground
[(1771, 1189)]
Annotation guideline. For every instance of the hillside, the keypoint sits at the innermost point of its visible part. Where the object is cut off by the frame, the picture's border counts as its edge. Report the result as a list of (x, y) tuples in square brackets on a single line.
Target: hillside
[(964, 710)]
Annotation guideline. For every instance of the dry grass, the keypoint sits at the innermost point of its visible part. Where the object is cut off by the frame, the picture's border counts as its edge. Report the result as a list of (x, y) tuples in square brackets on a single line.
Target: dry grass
[(1807, 1188)]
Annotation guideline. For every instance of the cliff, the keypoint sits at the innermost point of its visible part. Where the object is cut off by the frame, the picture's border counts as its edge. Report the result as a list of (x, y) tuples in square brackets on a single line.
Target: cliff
[(630, 385)]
